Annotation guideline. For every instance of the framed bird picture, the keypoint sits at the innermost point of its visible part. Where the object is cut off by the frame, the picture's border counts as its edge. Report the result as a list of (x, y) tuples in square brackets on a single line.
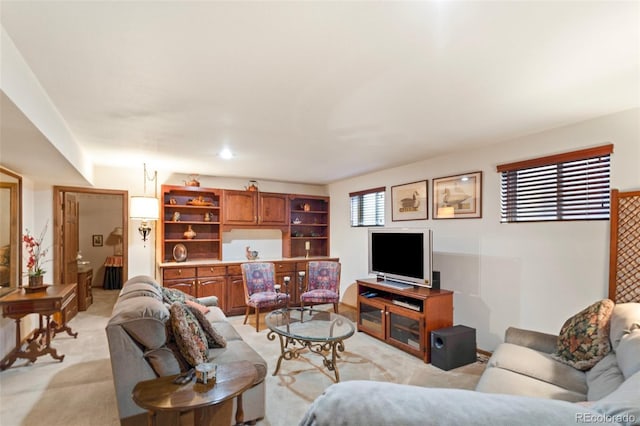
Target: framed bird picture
[(458, 197), (409, 201)]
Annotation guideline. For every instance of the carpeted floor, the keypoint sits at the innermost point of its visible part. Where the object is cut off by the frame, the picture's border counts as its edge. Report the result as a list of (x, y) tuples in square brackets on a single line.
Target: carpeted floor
[(79, 391)]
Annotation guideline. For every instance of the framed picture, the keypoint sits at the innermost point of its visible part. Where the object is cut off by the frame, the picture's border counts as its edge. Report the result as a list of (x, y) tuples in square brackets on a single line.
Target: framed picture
[(409, 201), (97, 240), (458, 197)]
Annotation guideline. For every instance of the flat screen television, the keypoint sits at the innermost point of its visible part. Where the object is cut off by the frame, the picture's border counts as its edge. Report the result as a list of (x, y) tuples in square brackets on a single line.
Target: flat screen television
[(402, 255)]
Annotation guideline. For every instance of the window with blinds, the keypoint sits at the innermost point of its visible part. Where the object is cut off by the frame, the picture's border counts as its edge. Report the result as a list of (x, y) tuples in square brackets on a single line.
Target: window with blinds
[(367, 207), (570, 186)]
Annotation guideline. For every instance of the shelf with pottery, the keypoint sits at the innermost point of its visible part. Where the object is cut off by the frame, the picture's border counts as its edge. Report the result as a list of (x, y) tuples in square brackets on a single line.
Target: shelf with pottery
[(190, 223), (309, 226)]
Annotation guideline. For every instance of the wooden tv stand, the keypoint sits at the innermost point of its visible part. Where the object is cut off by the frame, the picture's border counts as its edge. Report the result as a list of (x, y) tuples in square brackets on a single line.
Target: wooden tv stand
[(403, 317)]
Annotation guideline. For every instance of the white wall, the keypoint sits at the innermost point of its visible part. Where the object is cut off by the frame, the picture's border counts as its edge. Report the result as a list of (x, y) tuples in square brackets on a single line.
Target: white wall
[(532, 275)]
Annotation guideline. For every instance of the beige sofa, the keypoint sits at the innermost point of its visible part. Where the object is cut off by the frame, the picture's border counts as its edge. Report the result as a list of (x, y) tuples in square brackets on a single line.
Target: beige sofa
[(139, 349), (522, 385), (523, 364)]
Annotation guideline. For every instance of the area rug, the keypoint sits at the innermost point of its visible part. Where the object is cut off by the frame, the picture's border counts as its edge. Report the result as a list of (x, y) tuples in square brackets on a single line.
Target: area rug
[(79, 391), (301, 380)]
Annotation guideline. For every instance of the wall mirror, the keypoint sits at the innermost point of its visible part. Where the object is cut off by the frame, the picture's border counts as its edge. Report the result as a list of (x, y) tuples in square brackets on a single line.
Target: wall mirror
[(10, 231)]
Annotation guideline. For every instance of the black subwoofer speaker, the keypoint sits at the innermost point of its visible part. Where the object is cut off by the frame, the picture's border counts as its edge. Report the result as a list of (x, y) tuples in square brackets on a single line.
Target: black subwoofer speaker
[(453, 347)]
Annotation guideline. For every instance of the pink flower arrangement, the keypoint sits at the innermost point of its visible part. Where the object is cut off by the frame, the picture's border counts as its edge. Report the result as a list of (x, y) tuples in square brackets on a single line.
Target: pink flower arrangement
[(36, 253)]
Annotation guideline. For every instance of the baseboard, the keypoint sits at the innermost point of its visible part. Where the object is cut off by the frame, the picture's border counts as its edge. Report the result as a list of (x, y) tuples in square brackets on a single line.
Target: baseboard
[(483, 352)]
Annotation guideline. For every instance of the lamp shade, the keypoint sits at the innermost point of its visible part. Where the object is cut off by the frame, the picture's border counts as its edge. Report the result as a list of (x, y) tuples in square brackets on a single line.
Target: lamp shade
[(117, 231), (144, 208)]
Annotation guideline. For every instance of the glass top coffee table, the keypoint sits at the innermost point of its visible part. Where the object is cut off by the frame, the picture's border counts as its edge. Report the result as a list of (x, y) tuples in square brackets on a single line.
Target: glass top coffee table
[(321, 332)]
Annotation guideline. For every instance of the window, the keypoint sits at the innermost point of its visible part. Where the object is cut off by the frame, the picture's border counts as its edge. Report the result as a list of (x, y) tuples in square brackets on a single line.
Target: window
[(367, 207), (570, 186)]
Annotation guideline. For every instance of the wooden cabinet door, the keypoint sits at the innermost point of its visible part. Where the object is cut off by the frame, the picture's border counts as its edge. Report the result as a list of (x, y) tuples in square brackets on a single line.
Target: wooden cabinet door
[(240, 208), (235, 300), (405, 329), (187, 286), (272, 209), (183, 279), (212, 281), (213, 286), (372, 317)]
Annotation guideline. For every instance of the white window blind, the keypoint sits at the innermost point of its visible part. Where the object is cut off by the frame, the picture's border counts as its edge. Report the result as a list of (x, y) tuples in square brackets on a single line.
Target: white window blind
[(570, 186), (367, 207)]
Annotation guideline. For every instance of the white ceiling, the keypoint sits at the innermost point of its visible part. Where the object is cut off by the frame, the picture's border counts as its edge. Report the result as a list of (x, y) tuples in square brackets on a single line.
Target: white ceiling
[(319, 91)]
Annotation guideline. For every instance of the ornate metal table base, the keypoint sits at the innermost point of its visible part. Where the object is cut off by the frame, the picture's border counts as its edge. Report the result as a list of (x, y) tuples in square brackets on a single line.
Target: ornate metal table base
[(327, 350)]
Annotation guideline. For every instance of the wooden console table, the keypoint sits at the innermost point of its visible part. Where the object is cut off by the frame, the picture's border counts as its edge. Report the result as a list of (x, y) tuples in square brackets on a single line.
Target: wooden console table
[(45, 303)]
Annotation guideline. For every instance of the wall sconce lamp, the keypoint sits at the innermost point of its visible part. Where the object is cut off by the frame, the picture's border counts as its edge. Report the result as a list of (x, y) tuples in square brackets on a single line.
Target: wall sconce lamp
[(145, 208)]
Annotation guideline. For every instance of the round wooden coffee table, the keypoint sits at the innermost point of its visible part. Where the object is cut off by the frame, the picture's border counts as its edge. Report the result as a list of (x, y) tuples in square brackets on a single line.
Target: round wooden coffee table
[(209, 402)]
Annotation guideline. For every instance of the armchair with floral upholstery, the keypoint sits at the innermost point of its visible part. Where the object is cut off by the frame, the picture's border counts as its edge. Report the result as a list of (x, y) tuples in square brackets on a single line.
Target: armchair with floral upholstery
[(259, 289), (323, 284)]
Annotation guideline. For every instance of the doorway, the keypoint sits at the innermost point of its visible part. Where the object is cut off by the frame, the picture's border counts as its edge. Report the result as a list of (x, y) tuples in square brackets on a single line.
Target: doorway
[(90, 230)]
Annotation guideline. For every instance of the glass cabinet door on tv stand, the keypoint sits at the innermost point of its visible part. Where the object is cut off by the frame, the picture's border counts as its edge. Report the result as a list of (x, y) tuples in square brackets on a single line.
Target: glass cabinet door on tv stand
[(371, 317), (403, 317)]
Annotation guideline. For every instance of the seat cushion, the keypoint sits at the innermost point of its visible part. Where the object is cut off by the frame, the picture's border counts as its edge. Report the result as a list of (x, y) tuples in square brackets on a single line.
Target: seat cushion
[(623, 404), (320, 296), (539, 366), (227, 331), (239, 349), (584, 338), (267, 298), (215, 314), (498, 380), (604, 377)]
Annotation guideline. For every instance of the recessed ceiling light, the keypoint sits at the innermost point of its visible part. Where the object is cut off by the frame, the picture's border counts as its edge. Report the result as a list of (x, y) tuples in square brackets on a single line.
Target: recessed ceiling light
[(226, 154)]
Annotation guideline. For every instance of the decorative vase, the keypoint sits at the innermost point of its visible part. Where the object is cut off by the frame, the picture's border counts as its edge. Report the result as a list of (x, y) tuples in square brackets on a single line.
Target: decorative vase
[(35, 280), (189, 234)]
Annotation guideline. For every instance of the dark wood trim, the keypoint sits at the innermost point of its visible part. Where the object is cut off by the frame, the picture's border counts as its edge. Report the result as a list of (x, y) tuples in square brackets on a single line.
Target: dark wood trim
[(15, 233), (58, 200), (613, 243), (368, 191), (557, 158), (483, 352), (613, 238)]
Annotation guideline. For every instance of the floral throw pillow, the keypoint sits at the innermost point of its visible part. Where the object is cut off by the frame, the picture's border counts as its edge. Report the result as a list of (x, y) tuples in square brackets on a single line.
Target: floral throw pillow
[(188, 335), (170, 295), (584, 338), (215, 339)]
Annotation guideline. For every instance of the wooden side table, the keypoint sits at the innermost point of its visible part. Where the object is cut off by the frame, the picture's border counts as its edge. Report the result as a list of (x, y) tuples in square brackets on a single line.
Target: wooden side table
[(210, 402), (113, 272), (20, 303)]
